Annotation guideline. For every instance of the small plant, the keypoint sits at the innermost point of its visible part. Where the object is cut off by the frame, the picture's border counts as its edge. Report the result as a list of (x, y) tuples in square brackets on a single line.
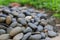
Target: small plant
[(57, 15)]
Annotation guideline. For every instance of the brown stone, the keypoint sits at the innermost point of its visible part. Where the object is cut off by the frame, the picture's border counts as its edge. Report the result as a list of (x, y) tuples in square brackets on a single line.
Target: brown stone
[(8, 20)]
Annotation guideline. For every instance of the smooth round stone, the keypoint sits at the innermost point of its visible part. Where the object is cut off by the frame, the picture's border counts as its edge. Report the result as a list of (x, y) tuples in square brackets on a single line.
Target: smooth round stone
[(22, 21), (49, 27), (43, 17), (2, 19), (2, 27), (15, 31), (33, 14), (26, 36), (27, 13), (44, 22), (4, 36), (28, 29), (21, 15), (2, 31), (11, 15), (2, 15), (32, 20), (14, 20), (36, 32), (24, 7), (1, 9), (18, 36), (8, 20), (47, 38), (43, 35), (32, 25), (36, 23), (15, 13), (52, 33), (41, 14), (9, 29), (28, 17), (9, 39), (27, 20), (36, 18), (14, 8), (23, 11), (6, 10), (23, 28), (35, 37), (20, 25), (42, 39), (31, 10), (14, 24), (40, 28)]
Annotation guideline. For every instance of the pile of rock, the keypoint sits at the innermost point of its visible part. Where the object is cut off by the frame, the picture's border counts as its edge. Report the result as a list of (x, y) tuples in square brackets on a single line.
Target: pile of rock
[(22, 23)]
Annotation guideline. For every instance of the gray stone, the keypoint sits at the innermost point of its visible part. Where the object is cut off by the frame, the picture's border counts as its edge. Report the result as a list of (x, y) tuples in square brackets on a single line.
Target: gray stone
[(28, 29), (32, 25), (4, 36), (35, 37), (25, 37), (22, 21), (9, 29), (2, 31), (18, 36), (40, 28), (21, 15), (15, 31), (49, 27), (14, 24), (52, 33)]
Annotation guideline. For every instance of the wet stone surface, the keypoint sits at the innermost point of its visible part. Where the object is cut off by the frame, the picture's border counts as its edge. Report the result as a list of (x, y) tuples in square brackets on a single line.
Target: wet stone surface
[(24, 23)]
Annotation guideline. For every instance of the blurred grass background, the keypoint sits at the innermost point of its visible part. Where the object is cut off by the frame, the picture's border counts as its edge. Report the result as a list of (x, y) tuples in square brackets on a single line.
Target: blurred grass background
[(48, 4)]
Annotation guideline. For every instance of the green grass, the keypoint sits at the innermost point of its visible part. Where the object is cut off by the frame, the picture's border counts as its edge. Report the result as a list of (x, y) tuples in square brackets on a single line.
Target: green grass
[(51, 4), (48, 4)]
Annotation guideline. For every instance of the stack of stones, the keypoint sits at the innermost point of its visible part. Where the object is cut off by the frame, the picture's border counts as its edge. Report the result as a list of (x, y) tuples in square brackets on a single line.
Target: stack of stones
[(24, 23)]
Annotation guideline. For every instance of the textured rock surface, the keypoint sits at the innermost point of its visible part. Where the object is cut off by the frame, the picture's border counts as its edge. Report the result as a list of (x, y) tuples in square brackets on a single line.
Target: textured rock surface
[(25, 23)]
